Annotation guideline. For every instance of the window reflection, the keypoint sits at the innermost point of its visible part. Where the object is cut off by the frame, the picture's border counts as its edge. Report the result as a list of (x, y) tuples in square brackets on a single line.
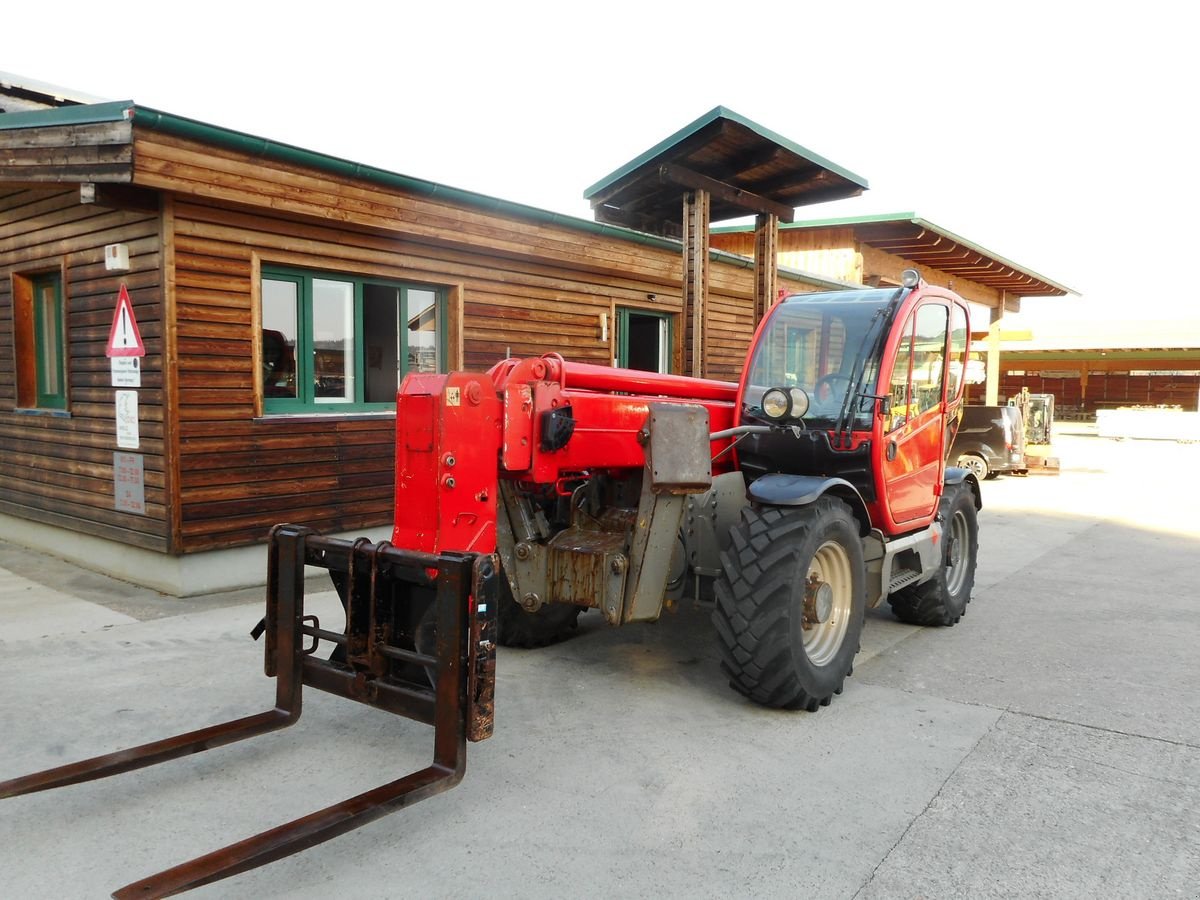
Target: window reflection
[(422, 331), (956, 372), (929, 344), (900, 409), (280, 333), (51, 361), (329, 339), (333, 341)]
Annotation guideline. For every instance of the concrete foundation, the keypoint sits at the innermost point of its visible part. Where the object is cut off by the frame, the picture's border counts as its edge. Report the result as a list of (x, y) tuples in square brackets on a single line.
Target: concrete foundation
[(179, 576)]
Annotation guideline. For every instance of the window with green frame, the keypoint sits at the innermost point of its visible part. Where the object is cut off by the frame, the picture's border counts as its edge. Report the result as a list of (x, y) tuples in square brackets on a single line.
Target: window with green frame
[(644, 340), (338, 343), (39, 341)]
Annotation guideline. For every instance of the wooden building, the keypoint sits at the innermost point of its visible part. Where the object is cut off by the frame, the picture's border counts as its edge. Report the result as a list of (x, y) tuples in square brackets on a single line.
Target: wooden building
[(279, 295)]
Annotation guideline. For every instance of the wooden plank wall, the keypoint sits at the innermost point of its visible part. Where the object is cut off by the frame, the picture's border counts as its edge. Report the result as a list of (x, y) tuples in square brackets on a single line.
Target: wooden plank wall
[(523, 288), (58, 470), (96, 152), (1107, 390)]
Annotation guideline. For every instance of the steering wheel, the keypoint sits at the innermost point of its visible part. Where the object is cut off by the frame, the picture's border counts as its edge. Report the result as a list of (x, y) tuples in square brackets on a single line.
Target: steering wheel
[(827, 382)]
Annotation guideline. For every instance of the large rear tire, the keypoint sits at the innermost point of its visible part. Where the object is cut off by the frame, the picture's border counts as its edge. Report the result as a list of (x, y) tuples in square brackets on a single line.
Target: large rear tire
[(515, 627), (790, 603), (943, 599)]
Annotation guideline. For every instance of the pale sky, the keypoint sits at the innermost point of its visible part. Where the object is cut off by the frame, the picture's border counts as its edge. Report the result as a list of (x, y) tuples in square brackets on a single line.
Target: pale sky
[(1058, 135)]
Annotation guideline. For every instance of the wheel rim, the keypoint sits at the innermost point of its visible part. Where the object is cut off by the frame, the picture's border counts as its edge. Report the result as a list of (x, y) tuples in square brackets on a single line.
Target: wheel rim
[(830, 566), (976, 464), (958, 551)]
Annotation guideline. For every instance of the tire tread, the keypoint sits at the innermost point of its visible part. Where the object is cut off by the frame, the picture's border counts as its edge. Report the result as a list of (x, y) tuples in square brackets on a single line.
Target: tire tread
[(754, 606), (929, 603)]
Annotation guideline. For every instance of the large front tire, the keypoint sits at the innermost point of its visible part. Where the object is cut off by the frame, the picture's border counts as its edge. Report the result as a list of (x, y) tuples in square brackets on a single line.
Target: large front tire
[(943, 599), (790, 603)]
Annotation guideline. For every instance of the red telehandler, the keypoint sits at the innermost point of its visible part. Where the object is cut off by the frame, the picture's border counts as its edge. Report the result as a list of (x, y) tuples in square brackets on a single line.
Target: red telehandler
[(815, 487)]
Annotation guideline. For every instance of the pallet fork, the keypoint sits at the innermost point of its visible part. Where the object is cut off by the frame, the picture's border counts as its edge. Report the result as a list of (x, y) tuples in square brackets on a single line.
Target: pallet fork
[(375, 582)]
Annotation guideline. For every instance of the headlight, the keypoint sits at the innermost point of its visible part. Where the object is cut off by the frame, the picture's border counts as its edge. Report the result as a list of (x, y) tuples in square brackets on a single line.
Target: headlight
[(799, 399), (776, 403)]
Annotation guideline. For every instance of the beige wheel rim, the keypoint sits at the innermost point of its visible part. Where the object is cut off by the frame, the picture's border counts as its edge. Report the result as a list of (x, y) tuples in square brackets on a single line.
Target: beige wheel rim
[(829, 600)]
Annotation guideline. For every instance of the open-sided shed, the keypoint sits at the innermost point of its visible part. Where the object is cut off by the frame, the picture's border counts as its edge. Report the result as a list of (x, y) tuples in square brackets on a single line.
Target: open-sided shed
[(721, 166), (877, 249)]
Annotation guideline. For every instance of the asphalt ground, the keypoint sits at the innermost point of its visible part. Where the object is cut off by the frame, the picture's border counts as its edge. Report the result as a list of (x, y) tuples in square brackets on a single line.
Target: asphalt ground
[(1046, 746)]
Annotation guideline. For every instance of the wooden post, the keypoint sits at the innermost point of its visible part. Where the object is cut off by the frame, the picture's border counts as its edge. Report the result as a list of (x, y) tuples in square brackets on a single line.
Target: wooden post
[(992, 396), (696, 208), (766, 263)]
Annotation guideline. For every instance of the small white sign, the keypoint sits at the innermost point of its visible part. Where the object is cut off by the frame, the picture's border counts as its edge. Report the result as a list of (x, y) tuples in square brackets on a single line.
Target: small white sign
[(126, 371), (129, 482), (127, 420)]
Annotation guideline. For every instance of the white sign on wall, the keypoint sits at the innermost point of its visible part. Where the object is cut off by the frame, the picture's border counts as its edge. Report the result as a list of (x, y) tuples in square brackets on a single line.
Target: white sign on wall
[(126, 371), (127, 420), (129, 482)]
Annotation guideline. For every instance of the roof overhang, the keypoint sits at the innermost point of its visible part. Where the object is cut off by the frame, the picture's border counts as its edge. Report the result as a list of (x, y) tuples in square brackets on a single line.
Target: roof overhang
[(71, 144), (745, 168), (920, 241)]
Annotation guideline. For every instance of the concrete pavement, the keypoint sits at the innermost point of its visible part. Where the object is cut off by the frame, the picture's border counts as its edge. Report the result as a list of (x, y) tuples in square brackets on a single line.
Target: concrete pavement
[(1047, 746)]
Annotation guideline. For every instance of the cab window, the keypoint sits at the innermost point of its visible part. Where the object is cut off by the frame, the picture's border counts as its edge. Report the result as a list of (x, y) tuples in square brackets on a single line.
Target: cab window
[(956, 372), (918, 376), (899, 411), (929, 358)]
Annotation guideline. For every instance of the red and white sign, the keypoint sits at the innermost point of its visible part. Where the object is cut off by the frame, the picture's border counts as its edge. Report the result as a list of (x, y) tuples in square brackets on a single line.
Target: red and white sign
[(124, 339)]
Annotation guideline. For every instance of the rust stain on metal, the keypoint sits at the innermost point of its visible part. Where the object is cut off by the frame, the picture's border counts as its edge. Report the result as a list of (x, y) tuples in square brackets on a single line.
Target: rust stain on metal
[(481, 657)]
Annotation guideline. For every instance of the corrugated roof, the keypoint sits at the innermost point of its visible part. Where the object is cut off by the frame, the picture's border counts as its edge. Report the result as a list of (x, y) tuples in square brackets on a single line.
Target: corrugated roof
[(42, 92), (920, 241)]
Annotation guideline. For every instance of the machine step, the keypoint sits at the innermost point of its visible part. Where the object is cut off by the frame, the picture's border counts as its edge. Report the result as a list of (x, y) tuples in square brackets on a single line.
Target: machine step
[(903, 580)]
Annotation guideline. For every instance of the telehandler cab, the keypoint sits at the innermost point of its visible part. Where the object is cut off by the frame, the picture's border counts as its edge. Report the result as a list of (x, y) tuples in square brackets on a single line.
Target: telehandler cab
[(812, 489)]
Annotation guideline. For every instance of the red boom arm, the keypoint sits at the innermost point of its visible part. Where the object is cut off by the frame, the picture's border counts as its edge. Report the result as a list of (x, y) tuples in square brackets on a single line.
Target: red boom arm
[(458, 434)]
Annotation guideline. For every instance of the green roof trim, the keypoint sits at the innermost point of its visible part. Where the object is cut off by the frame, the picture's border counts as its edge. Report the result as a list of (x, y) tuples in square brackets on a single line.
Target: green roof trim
[(192, 129), (720, 112), (909, 217), (829, 223), (82, 114)]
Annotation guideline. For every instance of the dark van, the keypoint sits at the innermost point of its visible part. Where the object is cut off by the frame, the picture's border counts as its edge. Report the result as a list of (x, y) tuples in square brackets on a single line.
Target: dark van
[(990, 441)]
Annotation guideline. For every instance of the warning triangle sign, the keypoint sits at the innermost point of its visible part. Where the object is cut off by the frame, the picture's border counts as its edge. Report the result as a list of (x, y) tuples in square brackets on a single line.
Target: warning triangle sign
[(124, 339)]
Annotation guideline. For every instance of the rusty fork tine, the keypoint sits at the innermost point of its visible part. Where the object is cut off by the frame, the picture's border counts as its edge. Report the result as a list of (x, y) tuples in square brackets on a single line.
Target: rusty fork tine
[(148, 754), (288, 597), (448, 767), (459, 707), (295, 836)]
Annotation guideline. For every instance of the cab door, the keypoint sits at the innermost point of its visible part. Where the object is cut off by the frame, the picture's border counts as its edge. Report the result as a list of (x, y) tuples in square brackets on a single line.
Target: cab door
[(914, 431)]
